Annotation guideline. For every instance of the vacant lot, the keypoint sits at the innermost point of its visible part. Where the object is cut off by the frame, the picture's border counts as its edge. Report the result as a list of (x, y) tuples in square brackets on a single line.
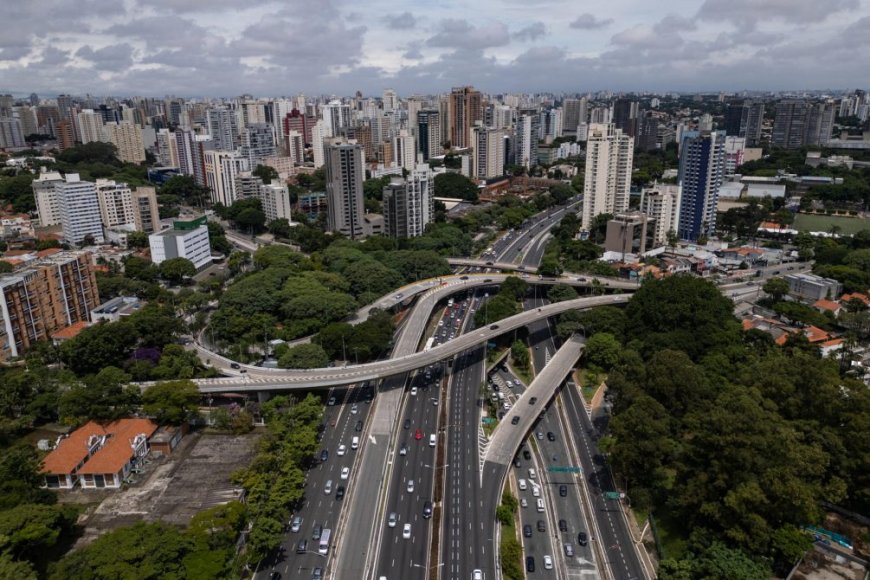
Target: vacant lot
[(823, 223), (173, 489)]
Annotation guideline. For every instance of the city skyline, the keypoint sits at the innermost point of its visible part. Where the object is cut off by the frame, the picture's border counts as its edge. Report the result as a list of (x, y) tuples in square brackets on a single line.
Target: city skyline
[(216, 49)]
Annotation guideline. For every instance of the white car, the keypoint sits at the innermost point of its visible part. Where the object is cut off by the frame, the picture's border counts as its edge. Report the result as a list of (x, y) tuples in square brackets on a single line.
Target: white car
[(353, 409), (548, 562), (342, 449), (524, 502), (532, 473), (393, 519), (536, 490), (345, 472), (410, 486), (413, 390), (406, 531)]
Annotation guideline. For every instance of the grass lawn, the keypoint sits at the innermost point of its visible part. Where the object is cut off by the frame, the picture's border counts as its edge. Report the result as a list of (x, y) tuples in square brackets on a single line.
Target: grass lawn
[(823, 223), (588, 383)]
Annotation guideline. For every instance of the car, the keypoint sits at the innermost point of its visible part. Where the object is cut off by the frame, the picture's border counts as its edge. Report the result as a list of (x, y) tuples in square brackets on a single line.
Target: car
[(427, 509), (434, 402), (413, 390), (569, 550), (302, 547), (327, 489), (517, 462), (359, 426), (551, 436), (317, 532), (353, 409), (533, 400), (548, 562), (527, 531), (524, 502), (235, 366), (275, 575), (324, 455), (406, 424), (542, 527), (342, 449), (392, 520), (418, 434), (536, 490), (582, 538), (476, 575), (295, 524), (243, 371), (506, 406), (494, 327), (515, 420), (403, 450), (563, 490), (410, 487), (400, 295), (563, 526), (406, 531), (540, 435), (331, 401), (317, 574), (463, 277), (526, 455), (532, 473), (441, 322), (339, 493), (345, 472), (530, 564)]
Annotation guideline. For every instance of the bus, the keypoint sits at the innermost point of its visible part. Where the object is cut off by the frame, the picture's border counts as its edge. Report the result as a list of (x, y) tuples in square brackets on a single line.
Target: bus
[(324, 541)]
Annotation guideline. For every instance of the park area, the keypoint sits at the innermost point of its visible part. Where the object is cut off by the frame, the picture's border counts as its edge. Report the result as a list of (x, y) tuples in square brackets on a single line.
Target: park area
[(824, 223)]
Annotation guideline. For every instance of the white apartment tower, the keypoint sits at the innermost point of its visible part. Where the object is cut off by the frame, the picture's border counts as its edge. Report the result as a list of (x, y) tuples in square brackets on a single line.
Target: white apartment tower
[(223, 128), (609, 155), (222, 168), (317, 144), (487, 146), (409, 204), (661, 202), (116, 203), (90, 126), (45, 192), (127, 138), (345, 171), (405, 150), (79, 210)]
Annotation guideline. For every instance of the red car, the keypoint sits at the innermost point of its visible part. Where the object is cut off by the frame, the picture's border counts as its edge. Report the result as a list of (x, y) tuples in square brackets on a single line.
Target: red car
[(418, 434)]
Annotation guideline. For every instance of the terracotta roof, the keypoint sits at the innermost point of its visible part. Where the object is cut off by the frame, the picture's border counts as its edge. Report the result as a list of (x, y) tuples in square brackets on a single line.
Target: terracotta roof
[(72, 450), (815, 334), (823, 304), (110, 458), (70, 331), (48, 252), (833, 342), (15, 253), (855, 296), (12, 261)]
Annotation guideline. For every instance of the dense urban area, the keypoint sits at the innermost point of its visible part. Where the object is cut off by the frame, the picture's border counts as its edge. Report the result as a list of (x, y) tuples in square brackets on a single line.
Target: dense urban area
[(459, 335)]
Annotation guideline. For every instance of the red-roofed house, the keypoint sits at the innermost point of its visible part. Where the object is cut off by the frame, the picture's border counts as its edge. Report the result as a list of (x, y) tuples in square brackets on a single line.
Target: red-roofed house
[(68, 332), (845, 298), (823, 305), (98, 456)]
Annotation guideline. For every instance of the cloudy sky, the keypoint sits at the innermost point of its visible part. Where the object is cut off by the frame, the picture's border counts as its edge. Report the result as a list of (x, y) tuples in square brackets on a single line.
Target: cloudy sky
[(268, 48)]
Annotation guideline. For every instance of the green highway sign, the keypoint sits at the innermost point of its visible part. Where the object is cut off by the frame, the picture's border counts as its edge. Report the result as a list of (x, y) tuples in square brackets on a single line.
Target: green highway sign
[(564, 469), (612, 495), (488, 420)]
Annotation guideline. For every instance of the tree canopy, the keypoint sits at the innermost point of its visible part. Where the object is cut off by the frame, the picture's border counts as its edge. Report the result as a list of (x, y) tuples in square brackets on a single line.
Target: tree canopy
[(455, 185)]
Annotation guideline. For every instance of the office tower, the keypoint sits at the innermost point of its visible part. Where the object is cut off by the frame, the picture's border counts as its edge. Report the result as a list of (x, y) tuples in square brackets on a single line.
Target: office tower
[(466, 108), (820, 124), (550, 124), (258, 142), (702, 168), (29, 123), (487, 152), (575, 111), (790, 124), (390, 101), (11, 134), (526, 138), (47, 295), (127, 138), (79, 210), (296, 147), (108, 114), (116, 203), (415, 105), (744, 119), (221, 170), (625, 116), (275, 200), (90, 126), (45, 194), (429, 133), (609, 156), (191, 155), (409, 204), (345, 171), (336, 117), (661, 202), (362, 134), (146, 213), (405, 150), (648, 132), (223, 128), (185, 239), (167, 149), (317, 145), (296, 121)]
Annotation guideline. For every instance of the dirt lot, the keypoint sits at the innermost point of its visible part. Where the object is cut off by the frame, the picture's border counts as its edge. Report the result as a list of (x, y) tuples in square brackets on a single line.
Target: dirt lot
[(173, 489)]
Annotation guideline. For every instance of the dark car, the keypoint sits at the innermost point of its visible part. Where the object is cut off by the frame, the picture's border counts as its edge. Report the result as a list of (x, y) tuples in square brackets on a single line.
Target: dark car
[(494, 327), (582, 538), (318, 530), (464, 278), (526, 455), (275, 575), (563, 490), (533, 400), (407, 424), (530, 564), (542, 527), (527, 531), (551, 436), (516, 461), (427, 509), (339, 493), (235, 366), (515, 420), (302, 547), (563, 526), (317, 574), (324, 455), (359, 425)]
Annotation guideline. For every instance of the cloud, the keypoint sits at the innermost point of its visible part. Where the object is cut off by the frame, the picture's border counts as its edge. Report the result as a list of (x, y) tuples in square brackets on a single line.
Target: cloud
[(748, 13), (403, 21), (531, 32), (456, 33), (588, 21), (116, 56)]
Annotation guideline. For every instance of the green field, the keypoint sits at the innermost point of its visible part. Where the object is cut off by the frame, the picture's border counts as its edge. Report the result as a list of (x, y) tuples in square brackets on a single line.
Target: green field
[(823, 223)]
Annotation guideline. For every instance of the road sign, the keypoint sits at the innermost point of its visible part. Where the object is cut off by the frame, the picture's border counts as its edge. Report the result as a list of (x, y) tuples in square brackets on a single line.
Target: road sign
[(487, 420), (613, 495), (555, 469)]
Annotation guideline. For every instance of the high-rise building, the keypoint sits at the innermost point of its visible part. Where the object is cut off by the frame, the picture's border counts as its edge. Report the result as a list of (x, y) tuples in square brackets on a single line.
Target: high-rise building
[(11, 133), (429, 133), (258, 142), (223, 128), (702, 169), (221, 170), (790, 124), (551, 124), (735, 149), (47, 295), (90, 126), (146, 213), (127, 138), (29, 122), (45, 193), (526, 138), (744, 119), (820, 124), (275, 200), (404, 150), (661, 202), (609, 157), (191, 155), (317, 145), (336, 117), (415, 105), (575, 111), (6, 104), (79, 210), (296, 121), (167, 148), (625, 113), (66, 135), (488, 152), (502, 117), (466, 108), (296, 147), (390, 101), (116, 203), (345, 172), (185, 239), (409, 204)]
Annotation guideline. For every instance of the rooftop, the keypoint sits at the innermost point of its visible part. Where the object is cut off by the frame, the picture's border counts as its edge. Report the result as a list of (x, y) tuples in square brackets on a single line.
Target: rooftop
[(110, 458), (71, 331)]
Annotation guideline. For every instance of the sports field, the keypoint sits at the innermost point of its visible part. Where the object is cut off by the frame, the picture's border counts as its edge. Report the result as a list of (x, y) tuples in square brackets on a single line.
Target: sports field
[(823, 223)]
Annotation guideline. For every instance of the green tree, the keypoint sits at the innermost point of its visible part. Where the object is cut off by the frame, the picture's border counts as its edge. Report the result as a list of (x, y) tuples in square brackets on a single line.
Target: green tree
[(172, 402), (602, 350), (455, 185), (251, 218), (140, 269), (137, 240), (10, 568), (776, 288), (514, 288), (304, 356), (185, 189), (99, 346), (265, 172), (5, 267), (561, 292), (30, 531), (105, 396), (174, 270), (520, 354), (494, 309)]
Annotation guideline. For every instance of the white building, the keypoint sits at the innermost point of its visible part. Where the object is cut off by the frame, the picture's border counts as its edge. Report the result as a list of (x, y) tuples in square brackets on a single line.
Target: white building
[(116, 203), (45, 192), (662, 203), (409, 204), (345, 171), (317, 144), (222, 169), (404, 150), (127, 138), (527, 129), (79, 210), (609, 156), (336, 116), (487, 152), (223, 128), (167, 148), (275, 200), (258, 143), (90, 126), (186, 239), (11, 133)]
